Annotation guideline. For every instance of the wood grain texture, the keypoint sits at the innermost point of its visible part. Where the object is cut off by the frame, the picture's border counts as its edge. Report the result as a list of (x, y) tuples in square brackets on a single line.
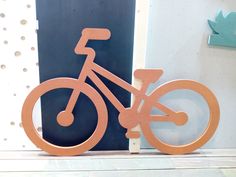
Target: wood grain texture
[(215, 163)]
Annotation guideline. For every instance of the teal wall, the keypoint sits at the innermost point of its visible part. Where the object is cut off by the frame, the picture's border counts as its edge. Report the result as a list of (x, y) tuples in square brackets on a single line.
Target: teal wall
[(177, 42)]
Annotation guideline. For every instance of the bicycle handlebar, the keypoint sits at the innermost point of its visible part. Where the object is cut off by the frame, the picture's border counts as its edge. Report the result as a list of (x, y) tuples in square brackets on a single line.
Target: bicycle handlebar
[(96, 33), (91, 34)]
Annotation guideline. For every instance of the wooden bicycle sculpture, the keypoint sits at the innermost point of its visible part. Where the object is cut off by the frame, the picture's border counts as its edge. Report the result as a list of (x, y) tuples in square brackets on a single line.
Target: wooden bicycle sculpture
[(140, 113)]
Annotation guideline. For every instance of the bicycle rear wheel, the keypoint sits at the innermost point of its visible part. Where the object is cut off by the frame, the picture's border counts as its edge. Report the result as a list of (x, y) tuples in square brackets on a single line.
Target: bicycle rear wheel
[(212, 124), (91, 93)]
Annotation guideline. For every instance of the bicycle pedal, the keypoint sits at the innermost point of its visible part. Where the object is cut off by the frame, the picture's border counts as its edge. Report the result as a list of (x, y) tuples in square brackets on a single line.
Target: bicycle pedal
[(132, 134)]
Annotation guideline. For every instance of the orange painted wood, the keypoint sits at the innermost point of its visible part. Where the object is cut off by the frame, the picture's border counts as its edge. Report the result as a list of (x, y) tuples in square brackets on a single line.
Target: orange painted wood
[(137, 114)]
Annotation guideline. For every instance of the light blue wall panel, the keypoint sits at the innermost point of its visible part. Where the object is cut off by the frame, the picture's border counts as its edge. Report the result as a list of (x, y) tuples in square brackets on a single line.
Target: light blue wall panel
[(177, 42)]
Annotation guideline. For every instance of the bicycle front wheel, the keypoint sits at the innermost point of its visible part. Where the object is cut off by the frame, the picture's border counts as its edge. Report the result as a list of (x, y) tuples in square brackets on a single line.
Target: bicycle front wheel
[(64, 83), (206, 134)]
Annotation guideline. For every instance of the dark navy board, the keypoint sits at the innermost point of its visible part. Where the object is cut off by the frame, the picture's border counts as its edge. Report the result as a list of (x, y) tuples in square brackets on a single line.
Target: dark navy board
[(60, 26)]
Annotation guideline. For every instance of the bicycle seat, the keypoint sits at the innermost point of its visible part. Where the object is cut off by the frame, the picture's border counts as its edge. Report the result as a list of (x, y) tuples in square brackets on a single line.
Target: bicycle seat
[(150, 75)]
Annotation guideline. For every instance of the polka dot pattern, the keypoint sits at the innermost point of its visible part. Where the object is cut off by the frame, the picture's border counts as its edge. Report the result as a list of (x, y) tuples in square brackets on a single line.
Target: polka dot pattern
[(17, 53), (39, 129), (2, 15), (23, 22), (3, 66), (19, 71), (12, 123)]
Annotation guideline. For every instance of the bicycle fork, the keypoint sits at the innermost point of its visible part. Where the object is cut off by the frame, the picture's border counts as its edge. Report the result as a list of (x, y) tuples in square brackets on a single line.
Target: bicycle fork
[(66, 118)]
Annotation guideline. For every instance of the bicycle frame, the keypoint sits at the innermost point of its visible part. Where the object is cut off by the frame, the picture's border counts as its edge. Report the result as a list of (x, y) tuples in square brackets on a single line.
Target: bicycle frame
[(139, 94), (123, 84), (90, 69), (138, 113)]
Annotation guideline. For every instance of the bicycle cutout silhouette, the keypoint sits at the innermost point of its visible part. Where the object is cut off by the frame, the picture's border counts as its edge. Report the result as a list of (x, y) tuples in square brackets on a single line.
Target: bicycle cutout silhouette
[(137, 114)]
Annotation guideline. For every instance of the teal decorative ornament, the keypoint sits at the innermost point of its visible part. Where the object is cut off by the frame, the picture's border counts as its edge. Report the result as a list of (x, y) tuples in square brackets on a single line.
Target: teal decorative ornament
[(224, 30)]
